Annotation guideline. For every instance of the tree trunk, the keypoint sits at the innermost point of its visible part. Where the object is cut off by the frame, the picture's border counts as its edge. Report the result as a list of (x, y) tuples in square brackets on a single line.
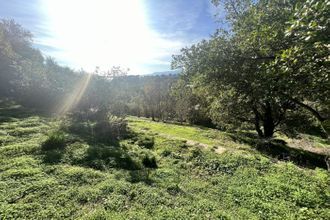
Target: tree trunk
[(315, 113), (153, 116), (310, 109), (257, 122), (268, 122)]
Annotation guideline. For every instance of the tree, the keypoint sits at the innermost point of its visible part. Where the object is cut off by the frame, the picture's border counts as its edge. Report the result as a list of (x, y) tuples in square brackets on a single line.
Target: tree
[(116, 71), (190, 105), (235, 67), (17, 57), (304, 66)]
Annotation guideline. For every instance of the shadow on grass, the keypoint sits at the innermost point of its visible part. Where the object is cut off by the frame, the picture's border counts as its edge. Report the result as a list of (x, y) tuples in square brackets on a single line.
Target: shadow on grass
[(101, 154), (10, 111), (142, 175), (14, 112), (202, 126), (279, 149), (97, 156), (102, 157)]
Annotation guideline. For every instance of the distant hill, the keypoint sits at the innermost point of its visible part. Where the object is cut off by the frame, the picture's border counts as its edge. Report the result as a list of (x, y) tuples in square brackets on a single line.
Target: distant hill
[(170, 72)]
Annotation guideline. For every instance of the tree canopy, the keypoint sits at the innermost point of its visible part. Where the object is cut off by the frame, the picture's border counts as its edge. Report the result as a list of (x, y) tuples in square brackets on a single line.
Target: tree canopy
[(266, 65), (269, 66)]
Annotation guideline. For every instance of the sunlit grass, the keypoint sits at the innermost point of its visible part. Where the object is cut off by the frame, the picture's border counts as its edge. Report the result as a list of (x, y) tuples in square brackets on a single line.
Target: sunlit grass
[(202, 135), (189, 183)]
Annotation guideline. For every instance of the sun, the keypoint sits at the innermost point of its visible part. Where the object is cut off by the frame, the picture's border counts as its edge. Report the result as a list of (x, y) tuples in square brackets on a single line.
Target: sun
[(104, 33)]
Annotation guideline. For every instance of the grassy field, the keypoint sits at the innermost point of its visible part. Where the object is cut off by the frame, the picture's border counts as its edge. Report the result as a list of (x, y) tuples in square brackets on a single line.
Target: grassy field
[(193, 179)]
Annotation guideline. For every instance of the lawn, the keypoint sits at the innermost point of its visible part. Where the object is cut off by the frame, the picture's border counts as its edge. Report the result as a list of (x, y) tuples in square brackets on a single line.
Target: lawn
[(91, 180)]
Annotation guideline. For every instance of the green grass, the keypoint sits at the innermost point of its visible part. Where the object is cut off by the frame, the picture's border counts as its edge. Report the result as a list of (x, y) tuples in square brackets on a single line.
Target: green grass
[(91, 180), (198, 134)]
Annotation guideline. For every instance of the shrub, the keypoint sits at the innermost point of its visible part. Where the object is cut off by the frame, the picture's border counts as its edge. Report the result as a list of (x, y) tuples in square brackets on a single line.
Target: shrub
[(302, 122), (98, 125), (112, 129), (149, 162), (102, 157), (146, 142), (55, 140), (195, 153)]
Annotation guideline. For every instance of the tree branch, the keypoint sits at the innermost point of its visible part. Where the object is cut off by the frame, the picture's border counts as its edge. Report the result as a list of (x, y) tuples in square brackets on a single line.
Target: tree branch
[(309, 108)]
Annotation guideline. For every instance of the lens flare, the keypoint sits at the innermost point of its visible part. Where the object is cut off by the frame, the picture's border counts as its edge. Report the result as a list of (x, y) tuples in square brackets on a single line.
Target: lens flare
[(73, 99)]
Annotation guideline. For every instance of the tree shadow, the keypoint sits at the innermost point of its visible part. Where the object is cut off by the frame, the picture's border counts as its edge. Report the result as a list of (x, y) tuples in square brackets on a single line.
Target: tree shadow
[(97, 156), (280, 150), (100, 155), (10, 111), (52, 156), (103, 154)]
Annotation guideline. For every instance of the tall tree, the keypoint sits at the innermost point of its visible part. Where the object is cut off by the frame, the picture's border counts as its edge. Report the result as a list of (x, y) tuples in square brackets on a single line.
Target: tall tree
[(303, 67), (235, 67)]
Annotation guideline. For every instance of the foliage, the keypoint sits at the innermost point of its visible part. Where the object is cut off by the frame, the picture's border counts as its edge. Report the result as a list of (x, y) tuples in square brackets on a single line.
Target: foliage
[(267, 70), (190, 106), (26, 75), (305, 61), (238, 70), (110, 129), (248, 75), (41, 83)]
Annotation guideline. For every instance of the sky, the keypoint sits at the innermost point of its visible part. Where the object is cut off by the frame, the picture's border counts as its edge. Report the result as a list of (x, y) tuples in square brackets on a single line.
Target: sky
[(141, 35)]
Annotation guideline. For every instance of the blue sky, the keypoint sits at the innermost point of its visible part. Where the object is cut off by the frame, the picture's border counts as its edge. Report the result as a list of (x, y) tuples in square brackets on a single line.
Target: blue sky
[(138, 34)]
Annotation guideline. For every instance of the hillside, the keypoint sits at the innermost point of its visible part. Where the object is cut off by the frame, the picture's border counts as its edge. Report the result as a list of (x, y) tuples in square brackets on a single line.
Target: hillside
[(166, 73), (239, 128), (199, 173)]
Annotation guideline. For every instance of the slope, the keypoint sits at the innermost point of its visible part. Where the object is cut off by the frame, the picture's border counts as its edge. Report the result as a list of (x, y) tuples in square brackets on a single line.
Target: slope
[(92, 180)]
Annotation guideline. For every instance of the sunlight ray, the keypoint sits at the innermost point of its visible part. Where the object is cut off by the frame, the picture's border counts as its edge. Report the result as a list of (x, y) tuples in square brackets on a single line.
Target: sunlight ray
[(73, 99)]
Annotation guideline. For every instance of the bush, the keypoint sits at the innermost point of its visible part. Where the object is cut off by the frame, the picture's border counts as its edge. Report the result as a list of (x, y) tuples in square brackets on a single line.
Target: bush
[(139, 176), (55, 140), (195, 153), (149, 162), (112, 129), (103, 157), (146, 142), (99, 125)]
